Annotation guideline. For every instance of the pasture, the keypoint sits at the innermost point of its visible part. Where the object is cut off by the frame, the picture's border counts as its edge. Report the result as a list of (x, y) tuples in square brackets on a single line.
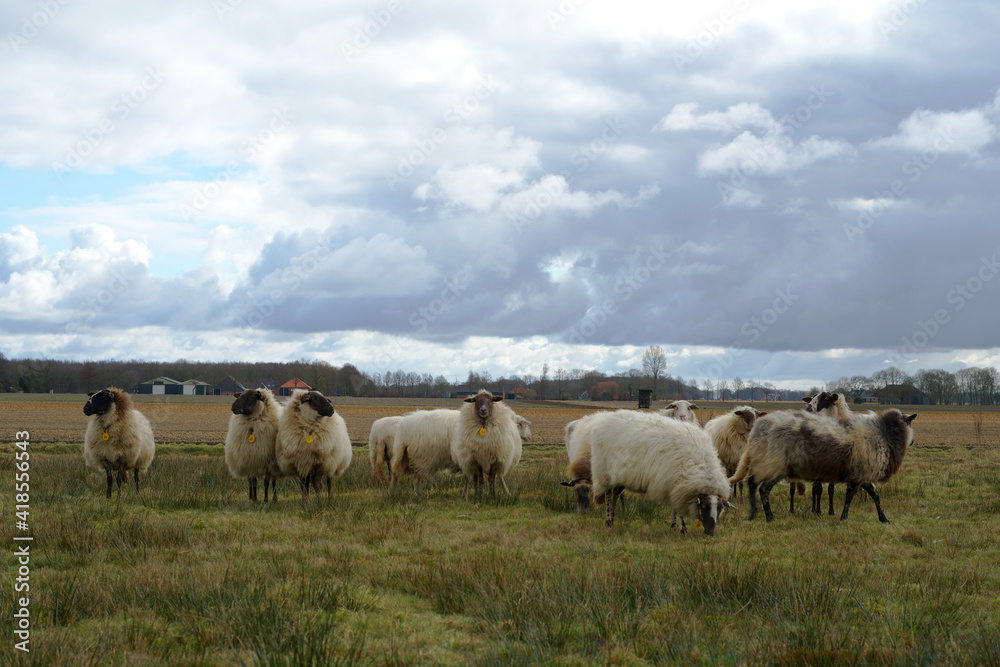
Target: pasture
[(190, 572)]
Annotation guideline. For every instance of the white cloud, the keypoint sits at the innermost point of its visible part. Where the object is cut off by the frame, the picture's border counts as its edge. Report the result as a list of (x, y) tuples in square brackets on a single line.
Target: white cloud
[(964, 132)]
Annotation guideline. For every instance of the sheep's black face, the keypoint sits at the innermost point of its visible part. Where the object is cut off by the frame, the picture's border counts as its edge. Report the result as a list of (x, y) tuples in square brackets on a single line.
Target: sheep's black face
[(583, 488), (318, 402), (99, 403), (709, 510), (246, 402), (483, 404)]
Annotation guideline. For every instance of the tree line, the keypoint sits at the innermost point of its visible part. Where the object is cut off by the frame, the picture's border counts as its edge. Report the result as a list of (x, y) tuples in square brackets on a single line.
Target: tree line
[(968, 386)]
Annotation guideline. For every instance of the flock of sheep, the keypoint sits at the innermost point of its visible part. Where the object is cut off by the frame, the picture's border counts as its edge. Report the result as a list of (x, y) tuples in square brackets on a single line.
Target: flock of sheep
[(665, 456)]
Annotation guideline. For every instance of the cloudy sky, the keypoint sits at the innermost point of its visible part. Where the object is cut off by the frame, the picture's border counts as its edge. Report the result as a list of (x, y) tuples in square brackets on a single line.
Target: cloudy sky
[(779, 190)]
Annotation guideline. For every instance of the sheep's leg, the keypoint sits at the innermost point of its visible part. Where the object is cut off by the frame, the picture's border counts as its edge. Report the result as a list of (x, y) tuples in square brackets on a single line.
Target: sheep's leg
[(610, 500), (317, 482), (304, 483), (740, 486), (848, 497), (817, 497), (830, 490), (765, 499), (250, 489), (752, 492), (791, 500), (107, 469), (137, 481), (504, 485), (119, 478), (329, 483), (684, 528), (870, 488), (465, 491)]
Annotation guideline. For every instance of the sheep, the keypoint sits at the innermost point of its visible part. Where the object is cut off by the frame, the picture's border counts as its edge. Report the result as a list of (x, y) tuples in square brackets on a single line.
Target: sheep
[(253, 428), (833, 405), (729, 433), (577, 435), (804, 445), (312, 441), (118, 438), (681, 410), (422, 445), (486, 441), (669, 461), (380, 442)]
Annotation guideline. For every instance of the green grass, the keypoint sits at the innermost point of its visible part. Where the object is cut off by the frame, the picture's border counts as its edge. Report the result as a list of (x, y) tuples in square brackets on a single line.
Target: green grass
[(190, 572)]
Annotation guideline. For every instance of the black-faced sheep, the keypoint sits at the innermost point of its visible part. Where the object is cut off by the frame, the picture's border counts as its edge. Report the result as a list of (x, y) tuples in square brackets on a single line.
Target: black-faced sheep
[(380, 446), (681, 411), (118, 437), (486, 442), (312, 441), (806, 446), (832, 405), (668, 461), (422, 445), (253, 429), (729, 433)]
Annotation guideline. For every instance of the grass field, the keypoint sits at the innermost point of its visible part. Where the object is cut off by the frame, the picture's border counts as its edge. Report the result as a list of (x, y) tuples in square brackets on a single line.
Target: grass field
[(190, 572)]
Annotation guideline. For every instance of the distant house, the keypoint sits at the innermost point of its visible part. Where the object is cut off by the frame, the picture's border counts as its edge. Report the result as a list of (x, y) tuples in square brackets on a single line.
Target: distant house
[(516, 393), (606, 391), (266, 383), (196, 388), (902, 394), (583, 397), (161, 386), (866, 397), (229, 386), (290, 386)]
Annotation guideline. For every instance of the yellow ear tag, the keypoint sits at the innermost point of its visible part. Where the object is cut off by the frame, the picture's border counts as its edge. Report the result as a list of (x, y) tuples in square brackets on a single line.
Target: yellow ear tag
[(482, 431), (698, 525), (251, 438), (105, 436), (309, 438)]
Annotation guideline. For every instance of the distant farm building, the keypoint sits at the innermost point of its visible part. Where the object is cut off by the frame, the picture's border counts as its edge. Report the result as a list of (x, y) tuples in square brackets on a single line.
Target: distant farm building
[(161, 386), (196, 388), (645, 398), (266, 383), (229, 386), (290, 386), (516, 393), (605, 391)]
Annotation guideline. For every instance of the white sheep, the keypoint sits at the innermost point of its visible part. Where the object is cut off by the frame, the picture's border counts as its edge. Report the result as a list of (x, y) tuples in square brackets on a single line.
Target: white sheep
[(118, 437), (681, 410), (729, 433), (312, 443), (380, 446), (668, 461), (486, 441), (422, 445), (577, 434), (253, 429), (807, 446)]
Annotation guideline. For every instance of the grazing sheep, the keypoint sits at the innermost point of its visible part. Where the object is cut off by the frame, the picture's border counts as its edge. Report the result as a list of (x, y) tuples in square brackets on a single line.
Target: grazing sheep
[(807, 446), (833, 405), (380, 442), (253, 428), (577, 434), (729, 433), (118, 437), (422, 445), (670, 462), (486, 441), (681, 410), (312, 441)]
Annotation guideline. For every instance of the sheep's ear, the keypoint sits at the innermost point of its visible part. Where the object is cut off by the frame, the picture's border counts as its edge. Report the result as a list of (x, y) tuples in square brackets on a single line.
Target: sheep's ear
[(807, 399), (694, 407), (497, 399), (90, 393), (237, 394), (671, 405), (573, 483), (761, 413), (470, 399), (740, 412), (909, 418)]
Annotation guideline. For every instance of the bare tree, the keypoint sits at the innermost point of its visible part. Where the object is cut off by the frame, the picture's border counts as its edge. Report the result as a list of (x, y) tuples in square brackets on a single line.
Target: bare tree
[(654, 362), (738, 385), (723, 388)]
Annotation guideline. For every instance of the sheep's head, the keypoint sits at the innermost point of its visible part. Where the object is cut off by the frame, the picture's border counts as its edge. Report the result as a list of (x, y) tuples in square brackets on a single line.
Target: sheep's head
[(524, 428), (681, 411), (104, 401), (822, 401), (247, 402), (708, 509), (583, 488), (483, 403), (312, 405)]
